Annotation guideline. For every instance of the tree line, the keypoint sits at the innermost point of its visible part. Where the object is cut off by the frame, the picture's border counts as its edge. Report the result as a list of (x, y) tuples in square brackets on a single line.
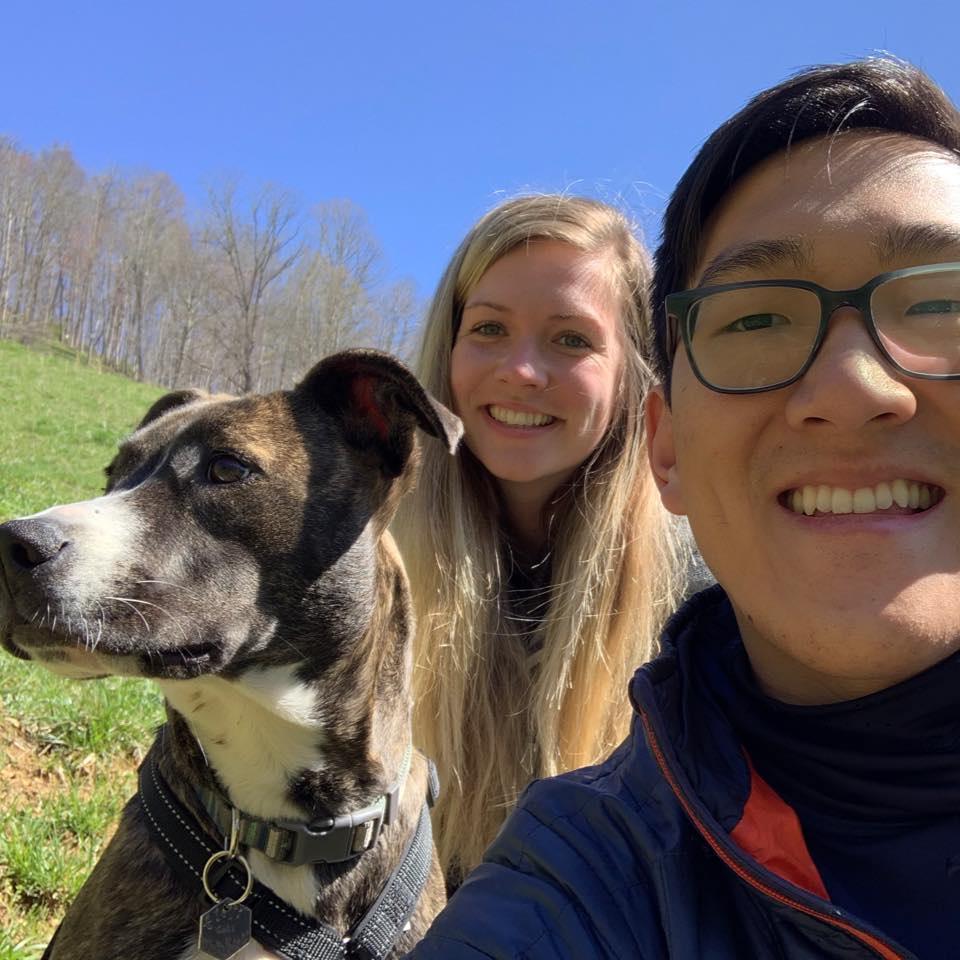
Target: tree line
[(243, 295)]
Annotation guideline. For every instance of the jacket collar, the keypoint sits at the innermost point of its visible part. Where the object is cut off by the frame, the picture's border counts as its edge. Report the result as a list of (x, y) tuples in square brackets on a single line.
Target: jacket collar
[(676, 693), (704, 766)]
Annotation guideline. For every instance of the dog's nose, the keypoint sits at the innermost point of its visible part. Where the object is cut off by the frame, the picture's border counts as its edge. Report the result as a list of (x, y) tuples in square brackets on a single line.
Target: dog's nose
[(28, 544)]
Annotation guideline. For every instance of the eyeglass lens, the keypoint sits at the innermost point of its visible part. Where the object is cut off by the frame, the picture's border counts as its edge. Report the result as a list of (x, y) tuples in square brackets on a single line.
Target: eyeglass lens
[(757, 336)]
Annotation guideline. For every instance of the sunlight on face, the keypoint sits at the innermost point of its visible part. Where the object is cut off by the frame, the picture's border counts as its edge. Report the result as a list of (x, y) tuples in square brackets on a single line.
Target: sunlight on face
[(536, 365), (833, 604)]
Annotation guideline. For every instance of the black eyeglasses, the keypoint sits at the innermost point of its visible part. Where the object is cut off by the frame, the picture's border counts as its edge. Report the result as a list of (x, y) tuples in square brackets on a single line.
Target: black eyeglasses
[(764, 334)]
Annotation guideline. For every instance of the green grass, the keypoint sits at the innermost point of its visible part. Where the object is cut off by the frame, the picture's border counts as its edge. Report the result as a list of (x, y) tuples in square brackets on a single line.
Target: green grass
[(60, 425), (68, 749)]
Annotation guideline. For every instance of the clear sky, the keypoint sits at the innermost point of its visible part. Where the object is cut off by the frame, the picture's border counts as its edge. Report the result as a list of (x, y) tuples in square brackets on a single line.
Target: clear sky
[(425, 113)]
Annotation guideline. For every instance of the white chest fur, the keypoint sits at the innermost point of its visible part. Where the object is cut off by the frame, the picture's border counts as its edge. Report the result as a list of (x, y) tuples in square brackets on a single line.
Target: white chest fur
[(257, 732)]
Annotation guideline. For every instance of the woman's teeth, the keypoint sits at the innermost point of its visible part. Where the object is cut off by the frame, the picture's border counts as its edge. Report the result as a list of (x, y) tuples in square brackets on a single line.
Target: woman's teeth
[(516, 418), (906, 494)]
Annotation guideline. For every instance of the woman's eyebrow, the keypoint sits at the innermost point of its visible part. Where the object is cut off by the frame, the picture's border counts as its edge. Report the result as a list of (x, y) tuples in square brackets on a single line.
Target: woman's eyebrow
[(757, 255), (584, 318), (489, 304)]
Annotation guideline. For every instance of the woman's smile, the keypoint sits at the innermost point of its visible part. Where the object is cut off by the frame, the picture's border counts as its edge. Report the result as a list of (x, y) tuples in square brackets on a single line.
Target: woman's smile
[(536, 366)]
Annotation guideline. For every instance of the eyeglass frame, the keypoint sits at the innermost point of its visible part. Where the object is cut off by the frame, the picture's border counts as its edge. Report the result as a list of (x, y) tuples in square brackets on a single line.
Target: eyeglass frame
[(677, 307)]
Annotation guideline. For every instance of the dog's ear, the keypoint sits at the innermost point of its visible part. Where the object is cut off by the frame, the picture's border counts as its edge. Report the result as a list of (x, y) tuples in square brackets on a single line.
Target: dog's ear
[(169, 401), (380, 402)]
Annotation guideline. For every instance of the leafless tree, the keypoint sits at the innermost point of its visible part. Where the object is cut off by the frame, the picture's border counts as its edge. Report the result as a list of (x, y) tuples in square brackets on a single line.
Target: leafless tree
[(245, 296), (257, 250)]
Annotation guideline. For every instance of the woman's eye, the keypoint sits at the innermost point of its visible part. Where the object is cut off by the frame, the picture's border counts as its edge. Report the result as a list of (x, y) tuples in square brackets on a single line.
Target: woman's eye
[(574, 340), (226, 469), (489, 328)]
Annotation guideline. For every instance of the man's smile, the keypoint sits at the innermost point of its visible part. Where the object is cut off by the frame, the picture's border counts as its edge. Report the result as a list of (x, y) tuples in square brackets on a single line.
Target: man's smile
[(897, 496)]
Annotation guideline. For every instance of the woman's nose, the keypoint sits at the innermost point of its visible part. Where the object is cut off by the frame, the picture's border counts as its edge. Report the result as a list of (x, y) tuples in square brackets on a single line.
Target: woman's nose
[(523, 365)]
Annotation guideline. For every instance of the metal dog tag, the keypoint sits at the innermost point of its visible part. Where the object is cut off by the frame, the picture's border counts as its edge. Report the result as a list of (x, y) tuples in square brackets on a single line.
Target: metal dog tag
[(224, 930)]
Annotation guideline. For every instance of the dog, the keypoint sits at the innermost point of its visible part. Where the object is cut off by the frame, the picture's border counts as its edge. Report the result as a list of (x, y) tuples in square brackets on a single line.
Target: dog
[(240, 558)]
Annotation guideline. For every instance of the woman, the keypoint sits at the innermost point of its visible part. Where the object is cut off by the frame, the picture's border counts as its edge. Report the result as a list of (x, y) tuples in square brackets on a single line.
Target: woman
[(540, 559)]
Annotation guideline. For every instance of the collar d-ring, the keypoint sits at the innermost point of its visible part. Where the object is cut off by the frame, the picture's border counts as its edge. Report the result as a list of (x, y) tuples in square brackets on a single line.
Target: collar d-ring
[(220, 855)]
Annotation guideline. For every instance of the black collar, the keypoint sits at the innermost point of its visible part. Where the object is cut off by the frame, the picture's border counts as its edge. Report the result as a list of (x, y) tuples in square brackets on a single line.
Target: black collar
[(330, 840), (277, 927)]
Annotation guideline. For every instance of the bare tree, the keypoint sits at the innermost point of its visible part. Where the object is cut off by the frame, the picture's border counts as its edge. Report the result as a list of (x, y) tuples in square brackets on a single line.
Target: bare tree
[(14, 205), (55, 179), (185, 354), (154, 206), (257, 250), (87, 247), (246, 300), (394, 316)]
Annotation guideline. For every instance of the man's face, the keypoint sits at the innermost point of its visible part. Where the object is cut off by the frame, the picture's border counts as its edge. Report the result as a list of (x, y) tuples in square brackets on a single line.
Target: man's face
[(830, 606)]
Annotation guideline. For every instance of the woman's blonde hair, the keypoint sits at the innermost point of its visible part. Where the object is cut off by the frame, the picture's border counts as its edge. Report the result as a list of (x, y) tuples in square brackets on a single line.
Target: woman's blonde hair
[(494, 709)]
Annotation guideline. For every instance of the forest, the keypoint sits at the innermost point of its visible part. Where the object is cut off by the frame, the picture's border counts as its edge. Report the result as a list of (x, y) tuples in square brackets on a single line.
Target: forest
[(240, 295)]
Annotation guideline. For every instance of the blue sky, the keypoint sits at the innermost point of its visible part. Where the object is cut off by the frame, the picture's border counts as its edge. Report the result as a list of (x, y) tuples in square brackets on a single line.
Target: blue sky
[(424, 114)]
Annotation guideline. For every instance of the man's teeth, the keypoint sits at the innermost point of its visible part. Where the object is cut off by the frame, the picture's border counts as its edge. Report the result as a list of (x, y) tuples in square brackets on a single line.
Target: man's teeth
[(516, 418), (810, 499)]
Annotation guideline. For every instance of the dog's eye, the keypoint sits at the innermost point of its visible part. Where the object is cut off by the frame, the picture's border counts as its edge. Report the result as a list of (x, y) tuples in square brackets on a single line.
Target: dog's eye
[(226, 469)]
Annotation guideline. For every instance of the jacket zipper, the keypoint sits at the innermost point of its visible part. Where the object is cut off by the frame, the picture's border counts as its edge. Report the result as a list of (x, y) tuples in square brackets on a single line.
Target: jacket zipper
[(880, 948)]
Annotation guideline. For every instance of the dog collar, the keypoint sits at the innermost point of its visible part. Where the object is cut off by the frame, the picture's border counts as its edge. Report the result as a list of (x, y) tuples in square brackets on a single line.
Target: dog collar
[(328, 840), (188, 849)]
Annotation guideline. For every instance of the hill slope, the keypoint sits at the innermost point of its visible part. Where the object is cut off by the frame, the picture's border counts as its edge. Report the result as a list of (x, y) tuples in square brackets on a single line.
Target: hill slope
[(59, 426), (67, 749)]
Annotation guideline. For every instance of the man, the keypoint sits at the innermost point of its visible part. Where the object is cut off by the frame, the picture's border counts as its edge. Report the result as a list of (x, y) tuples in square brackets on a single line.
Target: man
[(791, 787)]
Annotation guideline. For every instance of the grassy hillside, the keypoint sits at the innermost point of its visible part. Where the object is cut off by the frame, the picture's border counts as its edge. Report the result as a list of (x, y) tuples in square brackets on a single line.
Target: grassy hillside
[(68, 749)]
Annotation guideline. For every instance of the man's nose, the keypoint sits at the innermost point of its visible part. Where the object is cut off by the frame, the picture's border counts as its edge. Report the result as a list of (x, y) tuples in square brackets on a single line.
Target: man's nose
[(523, 364), (850, 383)]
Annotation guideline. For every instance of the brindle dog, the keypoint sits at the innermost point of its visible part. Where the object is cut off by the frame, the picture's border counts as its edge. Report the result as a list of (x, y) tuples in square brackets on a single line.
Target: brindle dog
[(240, 558)]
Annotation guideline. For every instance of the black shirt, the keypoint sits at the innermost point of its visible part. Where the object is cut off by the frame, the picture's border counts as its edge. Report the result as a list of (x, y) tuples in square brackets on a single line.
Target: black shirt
[(875, 783)]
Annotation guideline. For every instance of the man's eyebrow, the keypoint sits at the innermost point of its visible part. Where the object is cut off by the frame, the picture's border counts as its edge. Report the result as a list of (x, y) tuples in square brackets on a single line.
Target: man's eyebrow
[(756, 255), (916, 239)]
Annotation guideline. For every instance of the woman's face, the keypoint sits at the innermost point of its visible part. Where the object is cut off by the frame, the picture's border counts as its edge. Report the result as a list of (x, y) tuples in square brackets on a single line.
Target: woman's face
[(536, 365)]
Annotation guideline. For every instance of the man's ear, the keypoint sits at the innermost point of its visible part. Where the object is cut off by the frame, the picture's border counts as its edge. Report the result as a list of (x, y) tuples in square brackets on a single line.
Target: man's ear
[(658, 419), (379, 402)]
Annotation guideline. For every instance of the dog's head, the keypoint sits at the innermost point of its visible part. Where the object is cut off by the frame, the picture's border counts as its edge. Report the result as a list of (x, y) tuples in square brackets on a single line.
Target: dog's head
[(233, 531)]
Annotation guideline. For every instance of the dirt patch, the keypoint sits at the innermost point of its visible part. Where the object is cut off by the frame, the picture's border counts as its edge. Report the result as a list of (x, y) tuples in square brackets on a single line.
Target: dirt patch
[(31, 774), (27, 777)]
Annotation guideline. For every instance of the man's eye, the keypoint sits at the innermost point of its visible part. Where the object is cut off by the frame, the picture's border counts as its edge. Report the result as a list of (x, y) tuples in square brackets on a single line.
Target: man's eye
[(574, 340), (934, 306), (755, 321), (224, 468)]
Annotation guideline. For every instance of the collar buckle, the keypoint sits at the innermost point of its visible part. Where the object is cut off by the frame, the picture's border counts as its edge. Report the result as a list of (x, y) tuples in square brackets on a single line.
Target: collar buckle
[(328, 841)]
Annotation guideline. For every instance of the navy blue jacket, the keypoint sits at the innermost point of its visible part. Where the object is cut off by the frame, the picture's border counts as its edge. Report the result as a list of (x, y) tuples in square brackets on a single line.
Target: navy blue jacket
[(674, 847)]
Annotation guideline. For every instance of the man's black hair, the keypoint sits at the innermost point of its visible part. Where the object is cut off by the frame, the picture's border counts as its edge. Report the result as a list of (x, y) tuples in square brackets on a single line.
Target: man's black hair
[(879, 93)]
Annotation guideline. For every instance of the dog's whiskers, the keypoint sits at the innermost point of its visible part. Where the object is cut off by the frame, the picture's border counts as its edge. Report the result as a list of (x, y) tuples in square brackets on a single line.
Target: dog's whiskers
[(177, 586), (163, 610), (131, 604), (101, 620)]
